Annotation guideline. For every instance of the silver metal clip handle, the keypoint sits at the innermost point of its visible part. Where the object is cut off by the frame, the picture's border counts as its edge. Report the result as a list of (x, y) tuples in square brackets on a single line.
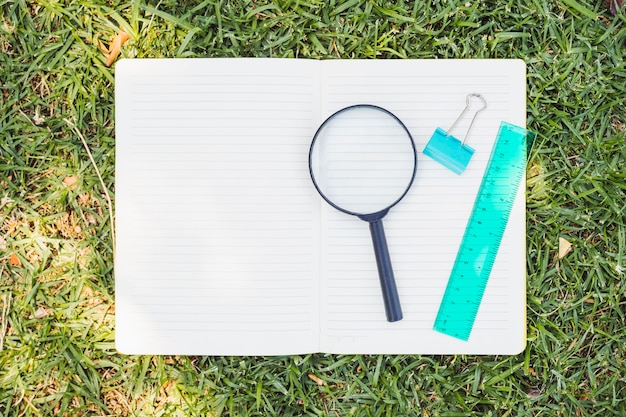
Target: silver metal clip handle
[(468, 102)]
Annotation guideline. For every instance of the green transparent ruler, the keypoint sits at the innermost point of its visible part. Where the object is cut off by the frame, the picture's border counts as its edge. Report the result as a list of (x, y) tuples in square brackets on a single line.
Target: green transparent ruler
[(483, 233)]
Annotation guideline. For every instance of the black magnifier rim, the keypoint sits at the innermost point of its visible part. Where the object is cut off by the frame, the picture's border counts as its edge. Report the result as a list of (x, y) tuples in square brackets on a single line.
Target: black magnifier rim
[(408, 187)]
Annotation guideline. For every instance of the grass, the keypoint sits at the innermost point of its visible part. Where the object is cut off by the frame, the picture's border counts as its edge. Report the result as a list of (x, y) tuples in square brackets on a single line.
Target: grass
[(57, 353)]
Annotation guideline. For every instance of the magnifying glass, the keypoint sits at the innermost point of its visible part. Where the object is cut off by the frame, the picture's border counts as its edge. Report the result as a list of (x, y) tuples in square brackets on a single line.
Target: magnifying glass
[(362, 161)]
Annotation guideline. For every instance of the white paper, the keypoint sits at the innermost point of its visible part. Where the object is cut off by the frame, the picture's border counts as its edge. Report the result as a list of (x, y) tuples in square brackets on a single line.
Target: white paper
[(224, 246), (217, 224), (424, 231)]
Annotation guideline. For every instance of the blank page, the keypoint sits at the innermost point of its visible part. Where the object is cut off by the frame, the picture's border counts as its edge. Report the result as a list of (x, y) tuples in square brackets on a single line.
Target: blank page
[(425, 229), (217, 222)]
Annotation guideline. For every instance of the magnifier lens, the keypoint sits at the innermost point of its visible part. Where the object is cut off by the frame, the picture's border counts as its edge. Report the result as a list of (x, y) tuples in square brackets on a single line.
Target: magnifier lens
[(362, 160)]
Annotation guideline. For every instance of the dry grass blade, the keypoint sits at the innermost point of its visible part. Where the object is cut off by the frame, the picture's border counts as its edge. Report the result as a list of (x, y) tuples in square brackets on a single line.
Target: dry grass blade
[(102, 183), (4, 319)]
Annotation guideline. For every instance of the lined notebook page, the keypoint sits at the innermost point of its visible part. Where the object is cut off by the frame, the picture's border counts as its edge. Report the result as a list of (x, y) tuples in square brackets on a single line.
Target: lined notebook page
[(424, 231), (224, 246), (217, 222)]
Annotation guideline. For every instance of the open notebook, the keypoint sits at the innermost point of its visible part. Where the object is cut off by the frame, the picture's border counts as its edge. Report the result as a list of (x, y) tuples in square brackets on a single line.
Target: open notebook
[(224, 246)]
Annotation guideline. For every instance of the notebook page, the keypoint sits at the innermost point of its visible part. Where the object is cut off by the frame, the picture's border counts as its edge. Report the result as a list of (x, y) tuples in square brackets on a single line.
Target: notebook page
[(425, 229), (217, 223)]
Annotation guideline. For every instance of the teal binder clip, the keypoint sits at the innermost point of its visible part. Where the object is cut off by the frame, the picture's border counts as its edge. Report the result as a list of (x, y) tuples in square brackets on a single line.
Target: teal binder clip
[(448, 150)]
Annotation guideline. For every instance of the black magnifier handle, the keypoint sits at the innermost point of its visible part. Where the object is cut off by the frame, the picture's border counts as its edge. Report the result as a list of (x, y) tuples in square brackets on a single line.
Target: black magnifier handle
[(385, 272)]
